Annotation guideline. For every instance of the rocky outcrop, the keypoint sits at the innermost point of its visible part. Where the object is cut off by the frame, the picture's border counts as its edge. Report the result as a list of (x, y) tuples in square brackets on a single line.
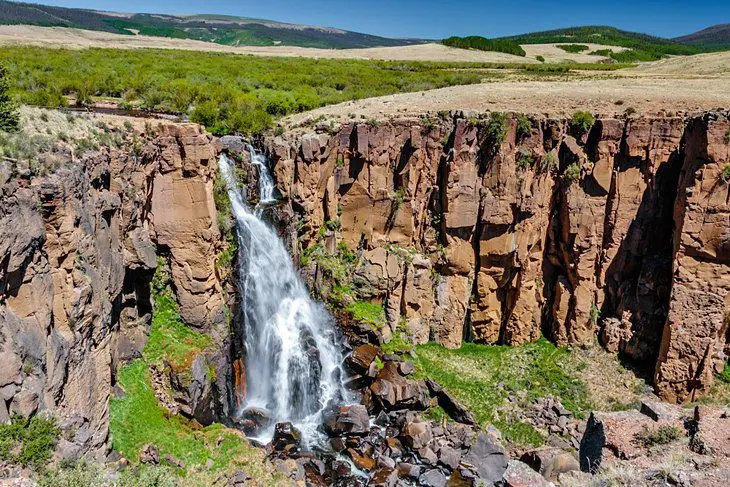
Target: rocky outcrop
[(618, 233), (78, 249)]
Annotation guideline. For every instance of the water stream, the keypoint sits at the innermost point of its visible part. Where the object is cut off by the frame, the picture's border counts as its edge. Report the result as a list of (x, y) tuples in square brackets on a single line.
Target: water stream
[(293, 356)]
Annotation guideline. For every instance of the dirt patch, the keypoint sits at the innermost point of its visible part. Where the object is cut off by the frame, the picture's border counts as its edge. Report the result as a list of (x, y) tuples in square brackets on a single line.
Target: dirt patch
[(554, 54), (606, 97)]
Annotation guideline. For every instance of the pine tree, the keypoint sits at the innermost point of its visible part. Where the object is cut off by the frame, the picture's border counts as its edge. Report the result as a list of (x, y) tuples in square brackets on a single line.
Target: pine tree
[(9, 118)]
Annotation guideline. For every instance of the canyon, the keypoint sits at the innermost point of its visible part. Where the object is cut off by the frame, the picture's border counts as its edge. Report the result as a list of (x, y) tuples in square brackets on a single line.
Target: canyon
[(494, 229)]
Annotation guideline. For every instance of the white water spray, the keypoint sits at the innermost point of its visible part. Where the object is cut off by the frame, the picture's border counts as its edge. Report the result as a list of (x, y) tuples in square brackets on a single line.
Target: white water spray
[(293, 360)]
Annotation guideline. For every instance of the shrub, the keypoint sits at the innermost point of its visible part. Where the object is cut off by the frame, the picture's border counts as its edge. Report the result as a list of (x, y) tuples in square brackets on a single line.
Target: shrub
[(572, 173), (28, 442), (540, 58), (727, 137), (524, 159), (496, 130), (660, 436), (9, 117), (582, 121), (573, 48), (630, 111), (548, 162), (725, 172), (524, 126)]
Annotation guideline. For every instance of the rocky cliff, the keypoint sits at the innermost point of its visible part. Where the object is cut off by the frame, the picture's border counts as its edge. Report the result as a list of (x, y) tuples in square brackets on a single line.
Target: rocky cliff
[(498, 230), (78, 250)]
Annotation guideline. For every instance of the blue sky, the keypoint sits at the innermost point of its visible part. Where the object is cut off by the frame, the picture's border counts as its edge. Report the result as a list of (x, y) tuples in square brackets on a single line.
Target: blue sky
[(438, 19)]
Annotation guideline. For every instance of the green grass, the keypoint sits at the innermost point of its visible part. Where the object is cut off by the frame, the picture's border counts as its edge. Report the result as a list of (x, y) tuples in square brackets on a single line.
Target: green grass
[(663, 435), (482, 376), (28, 441), (172, 339), (369, 313)]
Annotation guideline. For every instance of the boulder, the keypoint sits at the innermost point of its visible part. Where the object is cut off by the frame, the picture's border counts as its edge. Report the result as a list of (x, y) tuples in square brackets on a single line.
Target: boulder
[(347, 420), (416, 435), (433, 478), (550, 462), (454, 409), (519, 474), (362, 358), (286, 437), (614, 431), (384, 477), (393, 391), (487, 458)]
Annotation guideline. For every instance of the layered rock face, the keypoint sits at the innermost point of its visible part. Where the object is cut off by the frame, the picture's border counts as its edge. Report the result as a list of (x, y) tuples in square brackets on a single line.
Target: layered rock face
[(78, 250), (619, 233)]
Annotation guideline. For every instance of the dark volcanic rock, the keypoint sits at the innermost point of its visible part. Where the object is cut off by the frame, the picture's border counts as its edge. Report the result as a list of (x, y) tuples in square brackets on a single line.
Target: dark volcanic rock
[(488, 459), (286, 437), (456, 411), (347, 420)]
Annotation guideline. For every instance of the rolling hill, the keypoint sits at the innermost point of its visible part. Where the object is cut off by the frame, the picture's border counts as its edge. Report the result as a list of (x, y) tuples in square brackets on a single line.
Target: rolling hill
[(716, 37), (642, 47), (221, 29)]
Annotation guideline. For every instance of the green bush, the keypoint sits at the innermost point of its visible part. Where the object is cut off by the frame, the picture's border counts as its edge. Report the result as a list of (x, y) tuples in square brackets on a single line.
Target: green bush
[(484, 44), (727, 137), (540, 58), (9, 117), (524, 126), (548, 162), (28, 441), (572, 173), (582, 121), (573, 48), (524, 159), (660, 436), (496, 130), (725, 172)]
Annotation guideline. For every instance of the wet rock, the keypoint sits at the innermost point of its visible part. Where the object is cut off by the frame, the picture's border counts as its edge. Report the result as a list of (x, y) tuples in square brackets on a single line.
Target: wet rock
[(409, 470), (362, 358), (384, 477), (519, 474), (346, 420), (361, 461), (286, 437), (149, 454), (254, 420), (550, 462)]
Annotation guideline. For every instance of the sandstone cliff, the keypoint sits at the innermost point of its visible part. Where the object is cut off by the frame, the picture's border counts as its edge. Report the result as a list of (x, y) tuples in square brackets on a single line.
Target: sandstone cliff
[(620, 232), (78, 249)]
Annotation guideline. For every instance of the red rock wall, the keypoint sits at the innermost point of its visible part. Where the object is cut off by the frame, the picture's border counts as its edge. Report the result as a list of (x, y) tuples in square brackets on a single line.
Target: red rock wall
[(463, 241)]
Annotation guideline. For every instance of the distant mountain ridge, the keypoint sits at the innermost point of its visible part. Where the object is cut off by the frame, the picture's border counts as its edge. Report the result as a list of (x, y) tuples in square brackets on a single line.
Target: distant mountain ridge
[(714, 37), (221, 29)]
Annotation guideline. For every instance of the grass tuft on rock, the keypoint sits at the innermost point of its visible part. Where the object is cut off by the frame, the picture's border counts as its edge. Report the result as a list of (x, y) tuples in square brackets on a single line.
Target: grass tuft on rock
[(483, 376), (28, 441), (369, 313)]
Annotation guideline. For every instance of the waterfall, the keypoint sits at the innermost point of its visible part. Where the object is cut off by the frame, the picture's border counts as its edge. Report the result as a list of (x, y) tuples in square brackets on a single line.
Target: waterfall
[(293, 358), (266, 182)]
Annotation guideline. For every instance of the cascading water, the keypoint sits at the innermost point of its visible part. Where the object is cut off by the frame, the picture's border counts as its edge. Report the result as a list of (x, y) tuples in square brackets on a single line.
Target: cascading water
[(293, 359)]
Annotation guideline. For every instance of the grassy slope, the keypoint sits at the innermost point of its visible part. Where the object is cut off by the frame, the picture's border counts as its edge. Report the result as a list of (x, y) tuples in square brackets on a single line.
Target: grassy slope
[(482, 377), (211, 28)]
